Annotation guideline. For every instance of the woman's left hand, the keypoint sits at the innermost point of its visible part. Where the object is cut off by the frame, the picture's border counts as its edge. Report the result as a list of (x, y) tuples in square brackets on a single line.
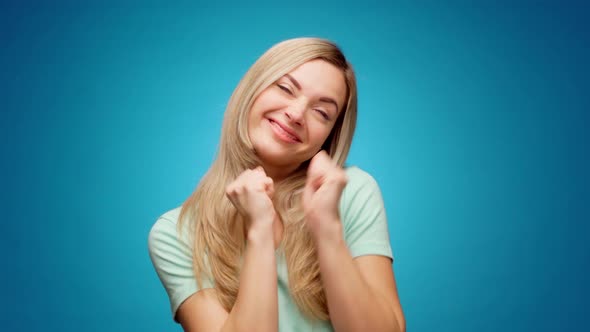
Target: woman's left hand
[(321, 196)]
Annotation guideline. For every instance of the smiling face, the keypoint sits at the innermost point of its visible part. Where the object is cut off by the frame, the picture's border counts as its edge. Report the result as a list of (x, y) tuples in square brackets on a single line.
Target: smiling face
[(290, 120)]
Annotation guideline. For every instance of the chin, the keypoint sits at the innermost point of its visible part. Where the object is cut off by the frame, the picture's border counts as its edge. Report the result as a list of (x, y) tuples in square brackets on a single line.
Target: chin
[(272, 157), (278, 158)]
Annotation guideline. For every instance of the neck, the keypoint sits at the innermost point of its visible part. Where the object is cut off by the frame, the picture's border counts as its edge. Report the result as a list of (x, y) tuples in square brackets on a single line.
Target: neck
[(279, 173)]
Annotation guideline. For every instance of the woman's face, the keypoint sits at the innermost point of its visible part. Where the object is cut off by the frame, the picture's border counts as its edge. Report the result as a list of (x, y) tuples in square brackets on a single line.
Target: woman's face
[(291, 119)]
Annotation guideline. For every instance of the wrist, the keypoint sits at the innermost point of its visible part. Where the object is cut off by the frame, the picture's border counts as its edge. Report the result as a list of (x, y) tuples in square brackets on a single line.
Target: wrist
[(260, 233), (328, 233)]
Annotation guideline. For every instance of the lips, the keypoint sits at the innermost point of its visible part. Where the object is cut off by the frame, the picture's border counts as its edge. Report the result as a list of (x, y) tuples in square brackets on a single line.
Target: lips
[(286, 129)]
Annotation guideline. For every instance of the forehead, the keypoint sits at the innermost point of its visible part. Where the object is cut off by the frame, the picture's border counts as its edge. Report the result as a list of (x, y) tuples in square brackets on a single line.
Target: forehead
[(319, 78)]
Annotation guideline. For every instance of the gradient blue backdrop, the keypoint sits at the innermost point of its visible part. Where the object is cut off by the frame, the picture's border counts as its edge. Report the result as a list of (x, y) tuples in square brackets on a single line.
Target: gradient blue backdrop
[(473, 118)]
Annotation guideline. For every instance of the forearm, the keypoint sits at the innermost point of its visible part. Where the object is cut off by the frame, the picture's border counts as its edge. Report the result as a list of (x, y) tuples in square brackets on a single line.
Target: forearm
[(353, 305), (256, 306)]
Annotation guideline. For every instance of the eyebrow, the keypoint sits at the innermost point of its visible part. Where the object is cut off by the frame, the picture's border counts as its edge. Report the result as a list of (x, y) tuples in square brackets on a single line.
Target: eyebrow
[(322, 99)]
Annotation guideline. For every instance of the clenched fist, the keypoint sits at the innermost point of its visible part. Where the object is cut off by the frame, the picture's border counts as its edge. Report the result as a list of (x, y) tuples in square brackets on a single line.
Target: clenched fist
[(251, 193), (321, 196)]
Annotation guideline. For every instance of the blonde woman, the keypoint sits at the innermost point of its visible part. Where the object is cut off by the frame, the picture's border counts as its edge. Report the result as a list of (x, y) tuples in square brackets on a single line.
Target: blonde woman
[(279, 235)]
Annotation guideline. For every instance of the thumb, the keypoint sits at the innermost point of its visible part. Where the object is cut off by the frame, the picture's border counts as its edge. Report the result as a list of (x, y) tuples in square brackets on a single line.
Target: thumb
[(269, 187), (308, 192), (317, 169)]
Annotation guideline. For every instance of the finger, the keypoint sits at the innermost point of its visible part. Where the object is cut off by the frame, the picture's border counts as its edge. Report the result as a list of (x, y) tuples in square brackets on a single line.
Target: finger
[(240, 178), (307, 194), (318, 169), (233, 198), (258, 179), (321, 161), (257, 173), (269, 187), (323, 157), (259, 170), (229, 188), (338, 177)]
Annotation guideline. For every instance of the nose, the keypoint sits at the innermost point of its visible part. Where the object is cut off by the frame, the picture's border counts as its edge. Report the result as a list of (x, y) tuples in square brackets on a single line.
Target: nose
[(295, 113)]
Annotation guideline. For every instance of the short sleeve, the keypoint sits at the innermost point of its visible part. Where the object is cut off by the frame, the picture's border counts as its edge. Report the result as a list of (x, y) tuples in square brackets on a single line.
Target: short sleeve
[(172, 259), (363, 216)]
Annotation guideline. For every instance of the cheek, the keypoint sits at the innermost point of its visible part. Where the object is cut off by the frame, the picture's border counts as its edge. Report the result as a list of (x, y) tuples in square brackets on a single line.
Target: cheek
[(267, 99), (255, 115), (319, 135)]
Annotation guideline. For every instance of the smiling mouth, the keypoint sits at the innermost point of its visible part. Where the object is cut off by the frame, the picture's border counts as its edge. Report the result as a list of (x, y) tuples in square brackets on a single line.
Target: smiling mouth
[(282, 133)]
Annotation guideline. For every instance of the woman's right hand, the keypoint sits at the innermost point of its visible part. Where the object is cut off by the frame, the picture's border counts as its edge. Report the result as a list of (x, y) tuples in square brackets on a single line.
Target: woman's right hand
[(251, 193)]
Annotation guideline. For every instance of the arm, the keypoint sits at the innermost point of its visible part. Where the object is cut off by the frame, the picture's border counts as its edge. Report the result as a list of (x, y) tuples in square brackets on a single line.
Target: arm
[(256, 307), (361, 292)]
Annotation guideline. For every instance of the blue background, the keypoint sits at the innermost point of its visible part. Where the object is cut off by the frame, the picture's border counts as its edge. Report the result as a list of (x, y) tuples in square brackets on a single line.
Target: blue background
[(473, 119)]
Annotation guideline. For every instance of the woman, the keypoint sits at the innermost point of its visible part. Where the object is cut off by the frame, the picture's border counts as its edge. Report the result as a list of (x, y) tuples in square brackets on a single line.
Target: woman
[(278, 236)]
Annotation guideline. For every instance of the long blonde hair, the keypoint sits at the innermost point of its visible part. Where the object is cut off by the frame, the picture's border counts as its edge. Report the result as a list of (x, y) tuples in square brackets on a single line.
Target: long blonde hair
[(217, 228)]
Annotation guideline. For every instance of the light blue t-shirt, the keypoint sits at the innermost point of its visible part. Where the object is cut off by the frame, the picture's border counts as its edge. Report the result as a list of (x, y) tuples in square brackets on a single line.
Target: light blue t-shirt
[(365, 231)]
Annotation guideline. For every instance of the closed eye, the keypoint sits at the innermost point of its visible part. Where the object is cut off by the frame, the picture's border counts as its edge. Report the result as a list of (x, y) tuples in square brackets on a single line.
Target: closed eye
[(323, 114), (284, 88)]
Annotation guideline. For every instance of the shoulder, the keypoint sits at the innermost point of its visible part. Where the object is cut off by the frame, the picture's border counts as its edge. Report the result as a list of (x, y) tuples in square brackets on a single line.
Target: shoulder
[(358, 177), (171, 252), (170, 216), (359, 181), (363, 216), (362, 193), (165, 233)]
